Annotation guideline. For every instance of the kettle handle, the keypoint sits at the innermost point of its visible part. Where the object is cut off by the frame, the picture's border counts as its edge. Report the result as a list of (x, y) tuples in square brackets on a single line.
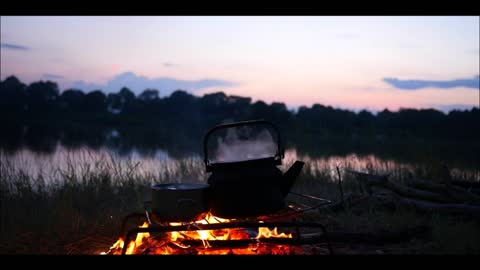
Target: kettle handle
[(280, 150)]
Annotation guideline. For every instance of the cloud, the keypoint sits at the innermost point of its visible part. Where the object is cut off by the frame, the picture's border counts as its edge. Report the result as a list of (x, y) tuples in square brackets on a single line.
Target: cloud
[(52, 76), (473, 82), (14, 47), (168, 64), (139, 83)]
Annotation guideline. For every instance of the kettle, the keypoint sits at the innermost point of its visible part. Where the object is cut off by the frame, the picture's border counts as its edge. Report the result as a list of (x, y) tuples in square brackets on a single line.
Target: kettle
[(245, 180)]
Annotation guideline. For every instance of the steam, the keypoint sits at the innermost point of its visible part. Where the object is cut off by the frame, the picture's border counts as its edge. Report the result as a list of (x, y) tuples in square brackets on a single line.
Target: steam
[(238, 147)]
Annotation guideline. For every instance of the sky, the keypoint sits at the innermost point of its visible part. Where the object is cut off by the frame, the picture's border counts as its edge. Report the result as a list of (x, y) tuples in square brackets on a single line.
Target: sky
[(350, 62)]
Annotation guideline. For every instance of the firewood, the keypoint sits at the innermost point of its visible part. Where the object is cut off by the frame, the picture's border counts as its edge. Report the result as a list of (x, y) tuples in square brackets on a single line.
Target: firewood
[(457, 194), (383, 181), (470, 186), (426, 206)]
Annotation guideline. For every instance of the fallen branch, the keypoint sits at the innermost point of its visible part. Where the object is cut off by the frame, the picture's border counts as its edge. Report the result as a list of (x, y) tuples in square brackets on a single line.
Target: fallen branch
[(382, 181), (426, 206), (457, 194), (470, 186)]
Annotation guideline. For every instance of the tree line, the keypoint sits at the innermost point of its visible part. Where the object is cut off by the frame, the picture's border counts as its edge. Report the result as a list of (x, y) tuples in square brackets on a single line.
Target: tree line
[(42, 104)]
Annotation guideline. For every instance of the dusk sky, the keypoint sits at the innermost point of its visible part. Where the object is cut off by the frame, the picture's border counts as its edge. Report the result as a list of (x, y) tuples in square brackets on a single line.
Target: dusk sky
[(348, 62)]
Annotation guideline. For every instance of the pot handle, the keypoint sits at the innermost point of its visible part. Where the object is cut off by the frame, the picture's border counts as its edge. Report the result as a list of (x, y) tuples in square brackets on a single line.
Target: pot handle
[(147, 205)]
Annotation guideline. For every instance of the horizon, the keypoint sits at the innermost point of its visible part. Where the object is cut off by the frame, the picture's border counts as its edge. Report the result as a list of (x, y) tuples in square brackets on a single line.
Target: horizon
[(353, 63), (292, 109)]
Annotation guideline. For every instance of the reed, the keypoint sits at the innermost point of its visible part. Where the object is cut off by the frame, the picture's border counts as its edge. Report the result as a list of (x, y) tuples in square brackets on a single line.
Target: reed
[(45, 212)]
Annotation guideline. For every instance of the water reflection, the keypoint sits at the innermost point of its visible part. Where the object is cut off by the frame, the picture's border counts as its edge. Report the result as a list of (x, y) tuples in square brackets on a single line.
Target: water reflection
[(159, 164), (157, 142), (82, 160)]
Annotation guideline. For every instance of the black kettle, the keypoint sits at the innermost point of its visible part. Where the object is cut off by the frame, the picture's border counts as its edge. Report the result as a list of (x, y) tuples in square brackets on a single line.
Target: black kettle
[(245, 180)]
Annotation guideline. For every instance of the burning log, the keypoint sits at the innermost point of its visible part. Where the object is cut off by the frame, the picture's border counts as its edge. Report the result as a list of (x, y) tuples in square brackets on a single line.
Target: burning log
[(316, 238), (305, 245), (247, 242)]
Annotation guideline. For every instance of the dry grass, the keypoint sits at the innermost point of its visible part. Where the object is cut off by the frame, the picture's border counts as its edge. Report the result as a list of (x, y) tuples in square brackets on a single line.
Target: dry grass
[(78, 209)]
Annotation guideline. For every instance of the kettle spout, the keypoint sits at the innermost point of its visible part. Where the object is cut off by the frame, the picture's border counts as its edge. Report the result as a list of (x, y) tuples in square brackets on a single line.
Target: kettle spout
[(288, 178)]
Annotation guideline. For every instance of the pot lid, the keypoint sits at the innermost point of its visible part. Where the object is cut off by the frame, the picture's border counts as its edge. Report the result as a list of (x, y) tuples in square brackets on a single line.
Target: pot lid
[(180, 186)]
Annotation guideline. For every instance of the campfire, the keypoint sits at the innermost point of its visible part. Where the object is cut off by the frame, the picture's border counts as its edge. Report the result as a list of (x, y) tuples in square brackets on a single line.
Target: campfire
[(235, 212), (205, 241)]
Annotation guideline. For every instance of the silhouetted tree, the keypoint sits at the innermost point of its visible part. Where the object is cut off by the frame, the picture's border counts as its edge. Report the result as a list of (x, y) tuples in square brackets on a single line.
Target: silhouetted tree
[(114, 103), (95, 101), (72, 100), (148, 95), (41, 96), (127, 100), (12, 95), (148, 119)]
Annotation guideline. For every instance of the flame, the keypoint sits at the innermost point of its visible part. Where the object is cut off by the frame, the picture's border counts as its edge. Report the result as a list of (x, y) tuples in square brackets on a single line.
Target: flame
[(130, 248), (264, 232), (141, 236), (172, 242)]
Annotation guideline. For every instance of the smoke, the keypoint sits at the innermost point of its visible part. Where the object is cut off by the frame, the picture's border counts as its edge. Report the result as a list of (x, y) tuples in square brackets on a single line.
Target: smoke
[(241, 144)]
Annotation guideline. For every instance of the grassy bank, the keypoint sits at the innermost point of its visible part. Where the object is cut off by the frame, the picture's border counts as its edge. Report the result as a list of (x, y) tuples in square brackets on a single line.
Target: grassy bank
[(48, 215)]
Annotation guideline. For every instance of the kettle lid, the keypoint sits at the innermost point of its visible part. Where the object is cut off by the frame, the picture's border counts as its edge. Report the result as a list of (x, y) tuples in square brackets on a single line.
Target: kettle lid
[(255, 142)]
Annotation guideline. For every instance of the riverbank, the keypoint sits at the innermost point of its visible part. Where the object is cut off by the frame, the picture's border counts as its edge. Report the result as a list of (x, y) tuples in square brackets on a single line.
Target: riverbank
[(80, 212)]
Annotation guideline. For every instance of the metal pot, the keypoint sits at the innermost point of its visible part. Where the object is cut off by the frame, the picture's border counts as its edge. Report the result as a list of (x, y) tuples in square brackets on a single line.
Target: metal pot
[(179, 202)]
